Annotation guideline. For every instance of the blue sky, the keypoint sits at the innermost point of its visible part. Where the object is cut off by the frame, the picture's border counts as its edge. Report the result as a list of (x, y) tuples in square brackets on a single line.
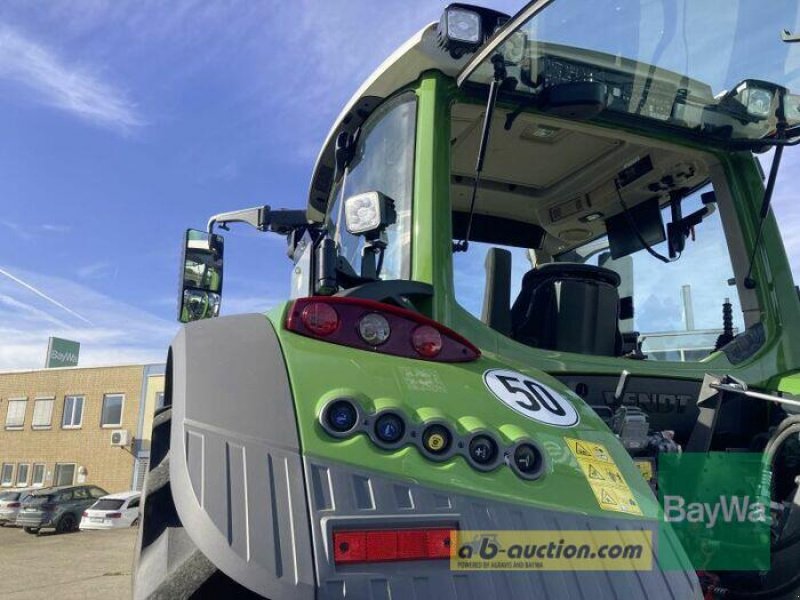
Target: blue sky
[(123, 123)]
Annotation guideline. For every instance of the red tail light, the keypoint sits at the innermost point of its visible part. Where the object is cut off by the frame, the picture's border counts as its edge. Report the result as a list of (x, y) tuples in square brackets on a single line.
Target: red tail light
[(339, 321), (13, 505), (113, 515), (382, 545)]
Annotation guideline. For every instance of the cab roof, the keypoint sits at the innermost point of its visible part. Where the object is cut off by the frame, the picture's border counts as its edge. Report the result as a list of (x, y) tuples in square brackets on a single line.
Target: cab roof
[(420, 53)]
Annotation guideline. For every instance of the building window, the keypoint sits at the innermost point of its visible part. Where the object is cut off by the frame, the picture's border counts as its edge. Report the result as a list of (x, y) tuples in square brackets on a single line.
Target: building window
[(38, 475), (22, 474), (159, 399), (112, 410), (7, 474), (73, 412), (15, 417), (64, 474), (42, 413)]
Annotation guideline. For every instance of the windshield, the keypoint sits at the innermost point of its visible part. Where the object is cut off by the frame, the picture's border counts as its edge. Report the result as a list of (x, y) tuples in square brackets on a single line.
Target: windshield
[(108, 504), (38, 500), (383, 162), (715, 68)]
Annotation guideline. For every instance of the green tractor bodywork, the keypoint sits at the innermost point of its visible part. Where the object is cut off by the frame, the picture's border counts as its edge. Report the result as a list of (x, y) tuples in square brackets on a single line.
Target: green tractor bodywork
[(457, 394)]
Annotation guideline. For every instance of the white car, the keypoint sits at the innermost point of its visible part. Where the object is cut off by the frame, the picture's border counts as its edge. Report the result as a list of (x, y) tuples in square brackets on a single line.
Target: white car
[(112, 511), (10, 504)]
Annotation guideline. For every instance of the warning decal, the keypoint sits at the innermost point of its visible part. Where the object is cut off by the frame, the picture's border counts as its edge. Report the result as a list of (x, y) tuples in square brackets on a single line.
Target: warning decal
[(607, 483)]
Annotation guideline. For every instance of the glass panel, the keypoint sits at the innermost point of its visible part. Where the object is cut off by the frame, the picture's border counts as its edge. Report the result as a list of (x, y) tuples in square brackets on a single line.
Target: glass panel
[(7, 475), (22, 474), (679, 64), (42, 412), (65, 475), (73, 411), (134, 503), (38, 500), (15, 417), (383, 162), (112, 409), (470, 274), (38, 474), (678, 306), (108, 504)]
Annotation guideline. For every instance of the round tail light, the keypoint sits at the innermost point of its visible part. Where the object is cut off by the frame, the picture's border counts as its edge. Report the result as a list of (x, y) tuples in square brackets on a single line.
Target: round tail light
[(320, 318), (427, 341), (374, 329)]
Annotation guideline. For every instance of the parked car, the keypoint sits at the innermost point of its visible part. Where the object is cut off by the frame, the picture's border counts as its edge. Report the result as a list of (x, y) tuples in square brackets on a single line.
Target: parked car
[(112, 511), (10, 504), (59, 508)]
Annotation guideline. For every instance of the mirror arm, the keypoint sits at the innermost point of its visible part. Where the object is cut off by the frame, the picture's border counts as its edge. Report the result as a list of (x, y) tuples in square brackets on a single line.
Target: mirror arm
[(262, 218), (251, 216)]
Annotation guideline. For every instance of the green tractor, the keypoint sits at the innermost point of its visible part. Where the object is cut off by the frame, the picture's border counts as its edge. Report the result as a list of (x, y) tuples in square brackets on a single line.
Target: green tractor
[(538, 263)]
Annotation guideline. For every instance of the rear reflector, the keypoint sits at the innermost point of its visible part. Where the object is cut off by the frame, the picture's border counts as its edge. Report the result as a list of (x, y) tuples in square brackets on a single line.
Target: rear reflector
[(384, 545)]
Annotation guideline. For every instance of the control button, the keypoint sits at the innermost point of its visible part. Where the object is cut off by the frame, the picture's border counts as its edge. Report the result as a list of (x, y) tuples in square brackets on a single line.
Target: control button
[(341, 416), (436, 439), (528, 460), (483, 450), (389, 428)]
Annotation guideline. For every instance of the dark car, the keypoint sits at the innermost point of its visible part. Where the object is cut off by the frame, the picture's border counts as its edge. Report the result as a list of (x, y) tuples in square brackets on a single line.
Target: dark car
[(59, 508)]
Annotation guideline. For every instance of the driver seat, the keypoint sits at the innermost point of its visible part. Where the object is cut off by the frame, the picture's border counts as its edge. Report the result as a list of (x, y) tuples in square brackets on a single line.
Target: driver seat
[(569, 307)]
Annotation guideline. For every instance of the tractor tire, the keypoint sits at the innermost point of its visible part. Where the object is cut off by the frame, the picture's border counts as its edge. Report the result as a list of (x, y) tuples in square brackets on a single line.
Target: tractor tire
[(66, 524), (167, 563), (31, 530)]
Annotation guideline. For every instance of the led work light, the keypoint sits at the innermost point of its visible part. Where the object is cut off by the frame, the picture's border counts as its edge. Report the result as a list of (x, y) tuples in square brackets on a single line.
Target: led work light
[(368, 214)]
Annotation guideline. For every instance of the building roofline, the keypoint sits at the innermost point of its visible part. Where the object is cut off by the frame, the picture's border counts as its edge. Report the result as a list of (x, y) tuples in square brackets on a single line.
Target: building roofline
[(147, 366)]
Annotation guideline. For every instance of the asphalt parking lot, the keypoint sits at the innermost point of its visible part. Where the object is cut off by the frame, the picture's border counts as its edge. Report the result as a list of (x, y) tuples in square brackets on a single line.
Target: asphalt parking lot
[(86, 564)]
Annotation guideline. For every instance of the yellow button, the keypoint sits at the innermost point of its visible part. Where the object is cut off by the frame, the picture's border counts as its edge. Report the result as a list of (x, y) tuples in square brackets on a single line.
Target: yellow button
[(435, 441)]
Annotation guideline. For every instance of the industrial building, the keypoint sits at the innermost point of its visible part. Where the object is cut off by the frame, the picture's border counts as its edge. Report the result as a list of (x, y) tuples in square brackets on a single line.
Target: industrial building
[(69, 425)]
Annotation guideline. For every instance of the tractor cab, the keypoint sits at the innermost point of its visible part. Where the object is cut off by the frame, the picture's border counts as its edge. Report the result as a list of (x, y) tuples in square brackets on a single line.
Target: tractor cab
[(538, 263)]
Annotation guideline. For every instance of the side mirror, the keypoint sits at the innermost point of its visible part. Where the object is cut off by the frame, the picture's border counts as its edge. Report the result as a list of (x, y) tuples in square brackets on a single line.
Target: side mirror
[(201, 276)]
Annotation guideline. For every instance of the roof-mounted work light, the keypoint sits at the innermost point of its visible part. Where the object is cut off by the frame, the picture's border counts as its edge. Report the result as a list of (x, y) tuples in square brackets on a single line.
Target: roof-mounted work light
[(464, 28)]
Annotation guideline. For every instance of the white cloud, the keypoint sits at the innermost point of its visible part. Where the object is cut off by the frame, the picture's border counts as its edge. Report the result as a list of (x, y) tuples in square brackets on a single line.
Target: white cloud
[(62, 86), (117, 333)]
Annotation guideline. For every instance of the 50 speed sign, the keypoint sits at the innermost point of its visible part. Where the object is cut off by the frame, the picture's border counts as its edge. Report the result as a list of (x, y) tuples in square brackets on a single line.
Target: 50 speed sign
[(530, 398)]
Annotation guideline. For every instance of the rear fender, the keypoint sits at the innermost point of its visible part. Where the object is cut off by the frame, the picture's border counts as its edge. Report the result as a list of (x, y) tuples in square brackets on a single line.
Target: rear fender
[(235, 466)]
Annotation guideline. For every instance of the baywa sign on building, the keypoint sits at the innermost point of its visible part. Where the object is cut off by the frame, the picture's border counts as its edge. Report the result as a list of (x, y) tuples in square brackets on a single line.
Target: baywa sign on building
[(62, 353)]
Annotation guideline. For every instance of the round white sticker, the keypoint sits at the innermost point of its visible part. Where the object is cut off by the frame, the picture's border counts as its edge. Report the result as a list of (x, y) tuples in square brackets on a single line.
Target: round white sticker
[(531, 398)]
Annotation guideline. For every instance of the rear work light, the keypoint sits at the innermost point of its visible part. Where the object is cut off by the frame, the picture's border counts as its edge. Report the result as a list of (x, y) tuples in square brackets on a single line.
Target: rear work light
[(379, 327), (388, 545)]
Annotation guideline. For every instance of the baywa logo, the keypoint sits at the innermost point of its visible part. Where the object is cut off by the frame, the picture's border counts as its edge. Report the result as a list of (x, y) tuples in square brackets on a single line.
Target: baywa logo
[(728, 509), (64, 356)]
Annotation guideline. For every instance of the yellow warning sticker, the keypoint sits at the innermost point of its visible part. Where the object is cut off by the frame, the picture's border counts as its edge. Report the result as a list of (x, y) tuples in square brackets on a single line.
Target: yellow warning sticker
[(607, 483), (645, 468)]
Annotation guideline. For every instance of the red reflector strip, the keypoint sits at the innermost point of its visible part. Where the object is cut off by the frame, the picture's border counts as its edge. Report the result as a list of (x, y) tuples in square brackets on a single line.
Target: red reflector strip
[(383, 545)]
